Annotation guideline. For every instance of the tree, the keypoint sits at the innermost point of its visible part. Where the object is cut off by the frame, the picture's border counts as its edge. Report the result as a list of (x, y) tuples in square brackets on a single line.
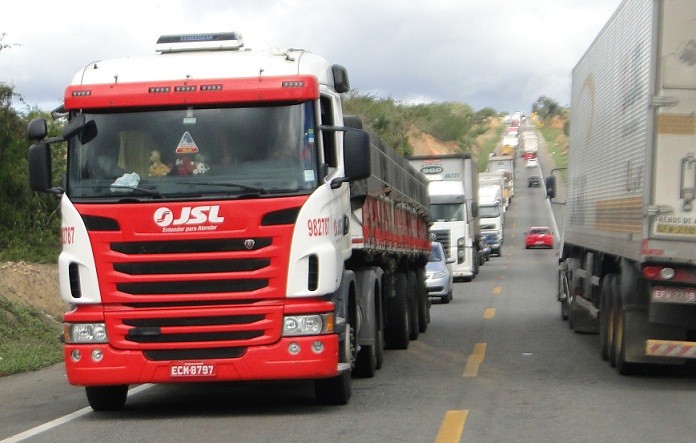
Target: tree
[(546, 107)]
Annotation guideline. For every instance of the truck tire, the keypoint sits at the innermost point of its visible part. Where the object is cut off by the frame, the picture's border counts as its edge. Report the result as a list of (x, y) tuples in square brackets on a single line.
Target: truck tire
[(414, 305), (398, 315), (107, 398), (606, 316), (423, 302), (366, 359), (335, 390), (619, 343)]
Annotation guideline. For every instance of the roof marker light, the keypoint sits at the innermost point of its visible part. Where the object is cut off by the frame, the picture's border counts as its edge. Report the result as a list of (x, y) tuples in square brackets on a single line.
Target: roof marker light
[(160, 89)]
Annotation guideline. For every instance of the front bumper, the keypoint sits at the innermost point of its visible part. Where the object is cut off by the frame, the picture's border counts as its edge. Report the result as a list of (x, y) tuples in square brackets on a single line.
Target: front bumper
[(271, 362), (438, 287)]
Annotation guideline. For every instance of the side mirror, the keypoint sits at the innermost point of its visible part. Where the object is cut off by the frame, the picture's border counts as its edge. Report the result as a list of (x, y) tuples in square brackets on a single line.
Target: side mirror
[(550, 183), (474, 210), (356, 154), (85, 130), (40, 173), (37, 129)]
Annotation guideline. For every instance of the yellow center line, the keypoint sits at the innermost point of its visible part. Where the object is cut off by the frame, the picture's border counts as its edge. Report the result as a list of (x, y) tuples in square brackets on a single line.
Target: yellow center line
[(452, 426), (497, 290), (475, 360), (489, 313)]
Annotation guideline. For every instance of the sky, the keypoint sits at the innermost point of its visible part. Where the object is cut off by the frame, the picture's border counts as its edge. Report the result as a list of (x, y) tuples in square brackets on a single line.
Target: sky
[(502, 54)]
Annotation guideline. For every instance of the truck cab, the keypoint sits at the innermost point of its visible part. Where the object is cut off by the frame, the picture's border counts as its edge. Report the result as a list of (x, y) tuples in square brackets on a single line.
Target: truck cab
[(492, 210), (448, 210)]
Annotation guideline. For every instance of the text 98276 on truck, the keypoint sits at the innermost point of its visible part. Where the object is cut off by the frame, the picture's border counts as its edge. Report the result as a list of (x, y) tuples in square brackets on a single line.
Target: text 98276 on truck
[(627, 268), (228, 223)]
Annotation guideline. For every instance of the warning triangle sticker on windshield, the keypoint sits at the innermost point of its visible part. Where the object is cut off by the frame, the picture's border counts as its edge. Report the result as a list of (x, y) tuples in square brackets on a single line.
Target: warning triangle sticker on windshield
[(186, 145)]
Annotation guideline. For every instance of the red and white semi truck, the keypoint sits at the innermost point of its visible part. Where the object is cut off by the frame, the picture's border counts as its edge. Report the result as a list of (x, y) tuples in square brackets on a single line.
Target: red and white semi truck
[(221, 221), (628, 252)]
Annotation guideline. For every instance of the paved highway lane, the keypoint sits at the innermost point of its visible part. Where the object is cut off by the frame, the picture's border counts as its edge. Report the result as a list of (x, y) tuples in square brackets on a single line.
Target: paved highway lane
[(496, 364)]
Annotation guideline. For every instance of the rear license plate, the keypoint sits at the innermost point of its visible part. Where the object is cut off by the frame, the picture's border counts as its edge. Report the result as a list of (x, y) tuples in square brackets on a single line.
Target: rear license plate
[(664, 294), (192, 369)]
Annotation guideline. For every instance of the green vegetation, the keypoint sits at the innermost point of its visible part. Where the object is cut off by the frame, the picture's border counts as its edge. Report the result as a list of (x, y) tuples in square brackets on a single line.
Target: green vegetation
[(29, 339), (29, 222), (489, 146), (446, 122), (553, 122)]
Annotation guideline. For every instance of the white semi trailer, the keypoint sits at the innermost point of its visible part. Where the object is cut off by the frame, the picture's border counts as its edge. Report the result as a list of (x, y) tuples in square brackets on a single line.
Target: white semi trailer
[(628, 254)]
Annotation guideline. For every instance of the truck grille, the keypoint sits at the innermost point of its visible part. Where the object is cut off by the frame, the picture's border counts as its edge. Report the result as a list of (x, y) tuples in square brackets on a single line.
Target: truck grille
[(443, 236), (173, 295)]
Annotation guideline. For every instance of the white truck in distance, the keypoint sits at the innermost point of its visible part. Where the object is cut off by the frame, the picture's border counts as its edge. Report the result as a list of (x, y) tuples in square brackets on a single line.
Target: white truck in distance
[(453, 192), (530, 142), (503, 178), (491, 209), (627, 266)]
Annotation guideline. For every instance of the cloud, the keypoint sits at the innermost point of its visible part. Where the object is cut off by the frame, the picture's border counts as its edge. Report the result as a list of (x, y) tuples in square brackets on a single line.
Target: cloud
[(500, 54)]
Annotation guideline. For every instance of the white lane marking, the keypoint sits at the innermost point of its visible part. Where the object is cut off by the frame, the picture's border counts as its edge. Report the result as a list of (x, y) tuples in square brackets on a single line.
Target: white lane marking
[(64, 419)]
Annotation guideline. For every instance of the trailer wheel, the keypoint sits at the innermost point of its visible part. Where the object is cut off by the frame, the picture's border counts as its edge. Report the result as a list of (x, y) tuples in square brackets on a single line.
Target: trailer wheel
[(619, 342), (606, 316), (398, 315), (414, 305), (107, 398)]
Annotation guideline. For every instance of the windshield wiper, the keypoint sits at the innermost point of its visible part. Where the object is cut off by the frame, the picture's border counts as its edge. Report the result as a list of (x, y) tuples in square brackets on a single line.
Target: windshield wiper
[(144, 191), (228, 185)]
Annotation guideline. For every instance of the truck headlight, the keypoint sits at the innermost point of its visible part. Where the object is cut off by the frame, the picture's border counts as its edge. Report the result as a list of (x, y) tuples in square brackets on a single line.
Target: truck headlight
[(314, 324), (85, 333)]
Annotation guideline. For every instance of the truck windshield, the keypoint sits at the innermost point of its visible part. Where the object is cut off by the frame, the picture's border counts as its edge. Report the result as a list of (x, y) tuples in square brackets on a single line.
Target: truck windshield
[(196, 152), (489, 211), (447, 212)]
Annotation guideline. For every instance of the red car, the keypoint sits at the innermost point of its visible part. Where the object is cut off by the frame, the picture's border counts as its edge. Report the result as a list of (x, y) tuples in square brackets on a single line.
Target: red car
[(538, 237)]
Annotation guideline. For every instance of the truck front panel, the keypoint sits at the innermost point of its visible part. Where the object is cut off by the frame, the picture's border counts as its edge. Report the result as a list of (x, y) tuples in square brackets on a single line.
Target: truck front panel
[(199, 241)]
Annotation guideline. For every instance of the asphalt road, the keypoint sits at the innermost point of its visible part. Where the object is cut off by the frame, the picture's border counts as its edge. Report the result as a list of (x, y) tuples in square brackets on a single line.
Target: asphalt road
[(497, 364)]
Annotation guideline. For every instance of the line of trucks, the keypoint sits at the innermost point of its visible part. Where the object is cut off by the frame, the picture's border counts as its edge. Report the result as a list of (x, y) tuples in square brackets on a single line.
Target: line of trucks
[(627, 266), (222, 220)]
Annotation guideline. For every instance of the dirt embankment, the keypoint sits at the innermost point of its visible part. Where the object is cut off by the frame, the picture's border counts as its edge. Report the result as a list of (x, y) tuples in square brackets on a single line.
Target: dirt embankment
[(34, 285)]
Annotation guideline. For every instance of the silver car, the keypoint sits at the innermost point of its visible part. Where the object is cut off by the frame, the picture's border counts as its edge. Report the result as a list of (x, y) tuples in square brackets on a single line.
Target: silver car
[(438, 275)]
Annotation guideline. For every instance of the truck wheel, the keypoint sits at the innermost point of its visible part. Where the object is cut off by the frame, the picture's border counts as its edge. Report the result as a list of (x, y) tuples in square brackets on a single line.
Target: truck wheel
[(398, 315), (619, 342), (335, 390), (606, 327), (423, 302), (366, 360), (107, 398), (414, 305)]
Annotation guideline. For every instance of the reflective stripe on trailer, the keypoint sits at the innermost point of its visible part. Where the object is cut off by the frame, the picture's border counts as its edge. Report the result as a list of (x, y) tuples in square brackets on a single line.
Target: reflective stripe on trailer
[(670, 348)]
